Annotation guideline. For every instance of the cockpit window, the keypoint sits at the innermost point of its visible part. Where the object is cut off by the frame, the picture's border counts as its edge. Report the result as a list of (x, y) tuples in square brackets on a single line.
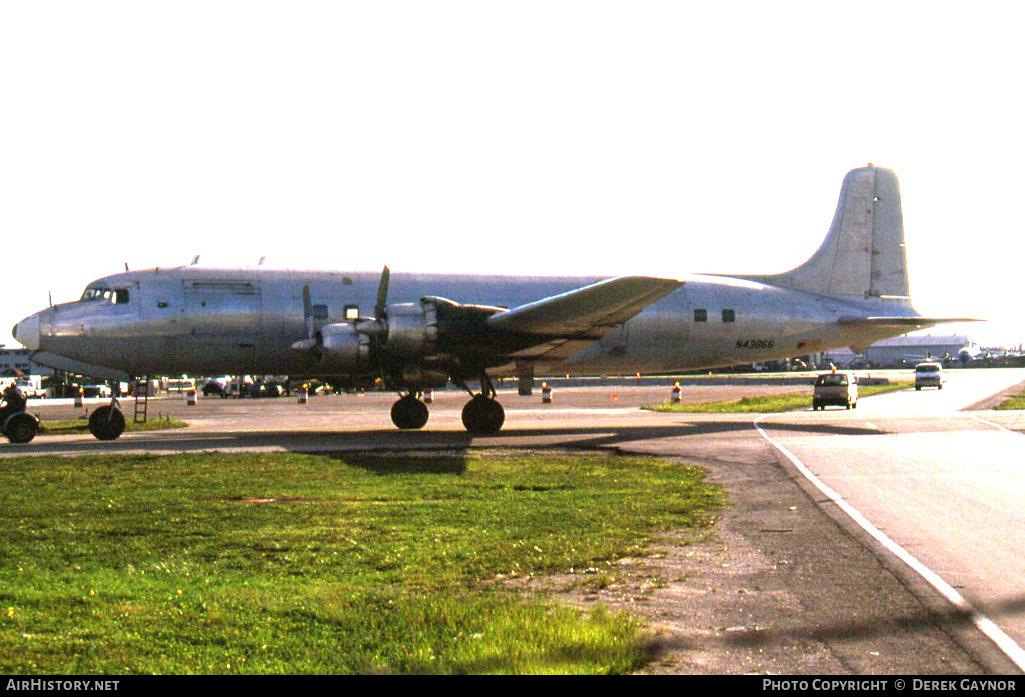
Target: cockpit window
[(118, 296), (91, 294)]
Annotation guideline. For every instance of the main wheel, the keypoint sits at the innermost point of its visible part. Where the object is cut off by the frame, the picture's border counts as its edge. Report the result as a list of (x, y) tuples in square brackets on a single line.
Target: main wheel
[(107, 423), (409, 413), (21, 428), (483, 416)]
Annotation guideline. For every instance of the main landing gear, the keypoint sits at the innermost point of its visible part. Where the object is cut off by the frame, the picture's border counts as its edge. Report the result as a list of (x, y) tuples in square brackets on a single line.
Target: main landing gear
[(409, 412), (482, 415)]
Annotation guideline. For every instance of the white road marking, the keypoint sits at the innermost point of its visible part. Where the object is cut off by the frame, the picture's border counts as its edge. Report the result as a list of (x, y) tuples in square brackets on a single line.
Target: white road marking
[(994, 425), (982, 623)]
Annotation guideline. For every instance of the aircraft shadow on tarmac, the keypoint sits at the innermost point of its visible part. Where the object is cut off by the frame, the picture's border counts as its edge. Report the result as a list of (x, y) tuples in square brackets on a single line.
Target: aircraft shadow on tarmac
[(583, 437)]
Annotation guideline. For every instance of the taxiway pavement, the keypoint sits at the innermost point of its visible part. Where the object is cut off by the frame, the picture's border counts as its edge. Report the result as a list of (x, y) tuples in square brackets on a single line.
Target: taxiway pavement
[(798, 587)]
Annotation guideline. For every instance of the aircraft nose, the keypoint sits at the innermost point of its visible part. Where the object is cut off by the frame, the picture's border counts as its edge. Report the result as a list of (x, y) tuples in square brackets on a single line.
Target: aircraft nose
[(27, 332)]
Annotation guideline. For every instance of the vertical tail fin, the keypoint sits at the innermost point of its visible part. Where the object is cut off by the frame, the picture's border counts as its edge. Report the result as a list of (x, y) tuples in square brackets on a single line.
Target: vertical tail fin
[(863, 254)]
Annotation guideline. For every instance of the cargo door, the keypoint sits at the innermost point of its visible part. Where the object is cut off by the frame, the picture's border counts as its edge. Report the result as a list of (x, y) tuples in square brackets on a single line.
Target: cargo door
[(225, 325)]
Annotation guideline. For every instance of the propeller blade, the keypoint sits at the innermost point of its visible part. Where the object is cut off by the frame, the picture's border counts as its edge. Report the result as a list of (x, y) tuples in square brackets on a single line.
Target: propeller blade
[(308, 312), (382, 294)]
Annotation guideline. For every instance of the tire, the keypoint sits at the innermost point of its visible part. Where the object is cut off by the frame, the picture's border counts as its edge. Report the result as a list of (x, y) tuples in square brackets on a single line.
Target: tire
[(21, 428), (107, 423), (409, 413), (483, 416)]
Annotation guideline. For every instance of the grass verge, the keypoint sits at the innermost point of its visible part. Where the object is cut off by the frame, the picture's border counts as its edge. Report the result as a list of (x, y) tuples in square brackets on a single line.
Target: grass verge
[(288, 563), (64, 427), (1013, 402), (769, 403)]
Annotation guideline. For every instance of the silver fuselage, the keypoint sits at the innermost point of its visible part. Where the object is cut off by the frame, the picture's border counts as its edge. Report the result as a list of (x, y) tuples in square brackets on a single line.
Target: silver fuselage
[(203, 321)]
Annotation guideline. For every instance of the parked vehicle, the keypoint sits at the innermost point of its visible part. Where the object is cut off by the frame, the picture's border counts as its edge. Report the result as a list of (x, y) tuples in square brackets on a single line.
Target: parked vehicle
[(181, 385), (929, 375), (16, 424), (97, 390), (31, 387), (837, 388), (216, 386)]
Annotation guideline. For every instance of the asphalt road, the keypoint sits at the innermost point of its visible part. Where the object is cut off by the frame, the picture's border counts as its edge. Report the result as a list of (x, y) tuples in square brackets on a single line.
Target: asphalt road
[(944, 486), (792, 583)]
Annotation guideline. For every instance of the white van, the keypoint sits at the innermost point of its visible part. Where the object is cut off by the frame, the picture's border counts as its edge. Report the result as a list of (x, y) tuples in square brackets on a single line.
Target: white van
[(181, 385), (929, 375)]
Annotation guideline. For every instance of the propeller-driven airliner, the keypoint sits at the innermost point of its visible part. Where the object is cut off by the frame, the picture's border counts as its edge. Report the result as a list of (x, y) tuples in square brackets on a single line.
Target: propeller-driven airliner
[(420, 331)]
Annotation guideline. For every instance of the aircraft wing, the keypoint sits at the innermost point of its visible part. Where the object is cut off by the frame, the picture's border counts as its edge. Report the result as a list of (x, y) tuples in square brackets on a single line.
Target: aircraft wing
[(564, 324)]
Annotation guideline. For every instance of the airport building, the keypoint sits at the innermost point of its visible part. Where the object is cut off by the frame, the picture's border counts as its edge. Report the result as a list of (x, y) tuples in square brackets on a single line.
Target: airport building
[(15, 361), (911, 349)]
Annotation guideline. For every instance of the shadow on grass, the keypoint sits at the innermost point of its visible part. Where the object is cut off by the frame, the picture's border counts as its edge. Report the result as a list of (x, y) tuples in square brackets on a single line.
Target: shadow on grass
[(400, 444), (394, 463)]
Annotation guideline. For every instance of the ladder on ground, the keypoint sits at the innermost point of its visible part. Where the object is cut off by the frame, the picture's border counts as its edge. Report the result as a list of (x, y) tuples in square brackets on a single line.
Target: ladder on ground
[(141, 392)]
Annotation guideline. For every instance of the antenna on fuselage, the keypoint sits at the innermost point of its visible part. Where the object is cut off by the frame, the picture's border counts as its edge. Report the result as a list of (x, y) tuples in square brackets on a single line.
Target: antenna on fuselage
[(195, 261), (260, 263), (126, 266), (49, 294)]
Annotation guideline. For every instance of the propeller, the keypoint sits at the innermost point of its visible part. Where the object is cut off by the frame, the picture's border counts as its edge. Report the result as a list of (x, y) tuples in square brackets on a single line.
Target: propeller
[(308, 311), (370, 326), (310, 342), (382, 294)]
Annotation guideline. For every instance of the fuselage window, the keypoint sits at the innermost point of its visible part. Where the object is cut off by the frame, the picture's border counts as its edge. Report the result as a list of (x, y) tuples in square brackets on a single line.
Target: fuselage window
[(320, 312), (700, 315), (729, 316), (121, 296), (351, 312)]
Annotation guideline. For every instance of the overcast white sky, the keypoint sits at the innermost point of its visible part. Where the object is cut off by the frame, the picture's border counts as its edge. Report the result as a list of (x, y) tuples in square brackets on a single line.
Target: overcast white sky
[(514, 137)]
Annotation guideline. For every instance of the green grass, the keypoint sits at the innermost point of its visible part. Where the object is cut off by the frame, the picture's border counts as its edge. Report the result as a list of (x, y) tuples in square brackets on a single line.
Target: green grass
[(1013, 402), (63, 427), (769, 403), (285, 563)]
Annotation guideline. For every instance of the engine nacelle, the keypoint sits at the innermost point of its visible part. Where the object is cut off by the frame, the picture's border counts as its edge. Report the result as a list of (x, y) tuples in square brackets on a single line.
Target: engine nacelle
[(343, 350), (412, 329), (419, 377)]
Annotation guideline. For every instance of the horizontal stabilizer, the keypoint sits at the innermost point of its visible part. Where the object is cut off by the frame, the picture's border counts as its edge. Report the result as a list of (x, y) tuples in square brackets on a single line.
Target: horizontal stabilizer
[(590, 311), (909, 322)]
